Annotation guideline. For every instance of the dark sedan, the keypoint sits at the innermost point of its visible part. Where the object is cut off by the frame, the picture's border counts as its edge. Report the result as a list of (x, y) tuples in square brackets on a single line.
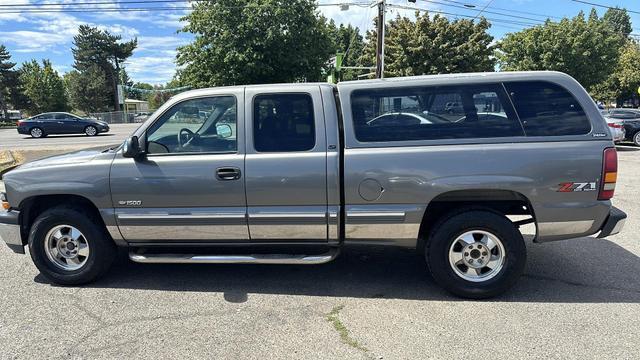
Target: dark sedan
[(60, 123), (631, 118)]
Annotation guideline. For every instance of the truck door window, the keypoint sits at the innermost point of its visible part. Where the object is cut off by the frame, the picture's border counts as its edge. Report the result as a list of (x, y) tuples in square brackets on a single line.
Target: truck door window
[(202, 125), (431, 113), (547, 109), (283, 123)]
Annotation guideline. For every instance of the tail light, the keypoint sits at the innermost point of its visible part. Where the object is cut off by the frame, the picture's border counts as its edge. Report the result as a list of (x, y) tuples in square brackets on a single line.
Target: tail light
[(616, 125), (609, 174), (18, 123)]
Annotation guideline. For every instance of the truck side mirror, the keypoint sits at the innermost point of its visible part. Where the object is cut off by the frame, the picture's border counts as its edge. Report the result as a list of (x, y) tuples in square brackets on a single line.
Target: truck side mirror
[(131, 148)]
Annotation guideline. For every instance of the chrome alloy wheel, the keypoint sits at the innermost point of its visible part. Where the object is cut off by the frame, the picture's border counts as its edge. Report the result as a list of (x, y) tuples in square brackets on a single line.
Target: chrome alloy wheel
[(36, 132), (66, 247), (477, 255), (90, 130)]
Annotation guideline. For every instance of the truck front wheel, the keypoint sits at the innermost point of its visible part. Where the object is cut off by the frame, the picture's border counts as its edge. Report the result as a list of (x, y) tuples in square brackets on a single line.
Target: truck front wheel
[(70, 247), (476, 254)]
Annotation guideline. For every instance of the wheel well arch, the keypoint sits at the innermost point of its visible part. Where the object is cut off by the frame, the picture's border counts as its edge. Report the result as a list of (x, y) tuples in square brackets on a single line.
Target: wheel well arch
[(504, 202), (32, 207)]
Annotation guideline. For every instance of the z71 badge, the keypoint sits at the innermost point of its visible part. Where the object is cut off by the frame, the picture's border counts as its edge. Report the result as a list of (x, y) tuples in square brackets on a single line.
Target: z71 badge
[(577, 186)]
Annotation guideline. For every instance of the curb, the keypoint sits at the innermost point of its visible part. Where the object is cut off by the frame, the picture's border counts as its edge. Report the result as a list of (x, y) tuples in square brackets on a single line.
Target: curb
[(11, 159), (7, 165)]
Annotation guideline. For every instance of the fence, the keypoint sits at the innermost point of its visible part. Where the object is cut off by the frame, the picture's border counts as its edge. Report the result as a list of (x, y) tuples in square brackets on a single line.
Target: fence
[(119, 117)]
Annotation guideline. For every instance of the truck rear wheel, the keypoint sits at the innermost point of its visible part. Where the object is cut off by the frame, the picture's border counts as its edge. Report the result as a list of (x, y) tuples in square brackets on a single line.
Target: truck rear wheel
[(70, 247), (476, 254)]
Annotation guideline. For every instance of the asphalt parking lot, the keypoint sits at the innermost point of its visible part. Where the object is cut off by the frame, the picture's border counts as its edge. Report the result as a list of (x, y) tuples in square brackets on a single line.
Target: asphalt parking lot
[(578, 299)]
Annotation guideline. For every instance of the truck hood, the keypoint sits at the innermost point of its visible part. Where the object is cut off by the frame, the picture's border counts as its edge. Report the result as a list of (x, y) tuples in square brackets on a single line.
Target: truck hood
[(76, 157)]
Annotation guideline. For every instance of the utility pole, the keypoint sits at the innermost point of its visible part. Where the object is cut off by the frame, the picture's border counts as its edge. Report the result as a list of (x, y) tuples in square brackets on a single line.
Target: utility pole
[(382, 7)]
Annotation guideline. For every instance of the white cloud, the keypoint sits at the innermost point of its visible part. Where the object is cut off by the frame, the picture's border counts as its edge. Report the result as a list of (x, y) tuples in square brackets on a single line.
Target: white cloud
[(151, 69), (32, 41)]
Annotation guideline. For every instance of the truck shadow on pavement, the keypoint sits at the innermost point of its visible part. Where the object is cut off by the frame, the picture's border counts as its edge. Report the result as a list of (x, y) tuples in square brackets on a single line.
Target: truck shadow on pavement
[(584, 270)]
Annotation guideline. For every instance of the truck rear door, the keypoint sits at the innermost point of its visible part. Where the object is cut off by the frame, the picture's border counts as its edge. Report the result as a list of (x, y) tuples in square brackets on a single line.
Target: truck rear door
[(286, 163)]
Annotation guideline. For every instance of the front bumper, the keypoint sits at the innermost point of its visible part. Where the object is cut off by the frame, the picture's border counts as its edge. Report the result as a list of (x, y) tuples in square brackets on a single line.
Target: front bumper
[(614, 222), (10, 230)]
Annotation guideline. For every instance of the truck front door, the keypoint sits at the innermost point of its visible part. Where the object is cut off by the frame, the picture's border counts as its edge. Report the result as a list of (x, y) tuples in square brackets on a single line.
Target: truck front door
[(189, 188), (286, 164)]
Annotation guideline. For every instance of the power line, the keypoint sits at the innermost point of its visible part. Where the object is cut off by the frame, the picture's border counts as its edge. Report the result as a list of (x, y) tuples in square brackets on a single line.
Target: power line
[(114, 2), (480, 11), (512, 22), (70, 9), (606, 6), (483, 9)]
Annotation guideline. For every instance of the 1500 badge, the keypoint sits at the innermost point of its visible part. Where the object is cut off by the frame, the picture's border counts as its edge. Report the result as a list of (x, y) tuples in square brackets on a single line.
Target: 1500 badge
[(130, 202), (577, 186)]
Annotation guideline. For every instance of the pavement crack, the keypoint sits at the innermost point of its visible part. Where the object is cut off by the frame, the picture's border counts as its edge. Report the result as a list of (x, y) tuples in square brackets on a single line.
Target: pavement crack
[(334, 319)]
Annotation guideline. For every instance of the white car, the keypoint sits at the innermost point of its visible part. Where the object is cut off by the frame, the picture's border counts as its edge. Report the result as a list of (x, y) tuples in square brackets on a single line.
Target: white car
[(616, 127)]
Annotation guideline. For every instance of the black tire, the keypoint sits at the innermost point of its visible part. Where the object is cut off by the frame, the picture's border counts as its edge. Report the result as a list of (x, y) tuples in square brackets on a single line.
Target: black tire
[(91, 130), (449, 228), (636, 138), (102, 249), (36, 132)]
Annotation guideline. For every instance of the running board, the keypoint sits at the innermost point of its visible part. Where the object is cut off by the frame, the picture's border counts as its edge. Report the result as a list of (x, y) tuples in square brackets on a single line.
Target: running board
[(235, 259)]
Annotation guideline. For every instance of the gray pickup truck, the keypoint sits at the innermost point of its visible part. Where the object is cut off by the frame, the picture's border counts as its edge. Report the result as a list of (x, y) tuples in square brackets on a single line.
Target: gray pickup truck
[(292, 173)]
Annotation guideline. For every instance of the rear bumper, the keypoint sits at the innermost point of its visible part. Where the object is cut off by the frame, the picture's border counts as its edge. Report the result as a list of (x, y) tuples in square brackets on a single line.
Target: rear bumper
[(10, 230), (614, 222)]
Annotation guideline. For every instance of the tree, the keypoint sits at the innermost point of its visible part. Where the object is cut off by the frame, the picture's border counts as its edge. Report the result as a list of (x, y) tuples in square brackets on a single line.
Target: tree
[(254, 41), (95, 47), (88, 90), (586, 49), (138, 92), (43, 87), (432, 45), (625, 79), (8, 80), (619, 21)]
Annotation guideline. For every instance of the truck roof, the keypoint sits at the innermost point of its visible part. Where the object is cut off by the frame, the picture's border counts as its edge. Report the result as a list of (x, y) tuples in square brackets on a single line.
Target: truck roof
[(459, 77)]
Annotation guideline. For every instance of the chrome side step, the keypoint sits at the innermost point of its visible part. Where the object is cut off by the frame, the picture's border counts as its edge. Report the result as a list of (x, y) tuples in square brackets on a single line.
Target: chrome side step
[(235, 259)]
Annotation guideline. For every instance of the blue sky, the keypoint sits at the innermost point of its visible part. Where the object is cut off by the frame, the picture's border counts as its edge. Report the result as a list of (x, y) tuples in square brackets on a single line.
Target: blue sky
[(38, 35)]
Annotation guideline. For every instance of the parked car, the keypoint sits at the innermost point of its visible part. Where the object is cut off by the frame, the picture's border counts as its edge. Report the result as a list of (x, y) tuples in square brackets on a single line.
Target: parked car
[(399, 118), (300, 169), (616, 127), (60, 123), (631, 123)]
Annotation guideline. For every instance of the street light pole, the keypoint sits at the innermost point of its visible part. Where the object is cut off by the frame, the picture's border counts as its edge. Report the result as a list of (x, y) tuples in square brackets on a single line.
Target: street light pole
[(382, 6)]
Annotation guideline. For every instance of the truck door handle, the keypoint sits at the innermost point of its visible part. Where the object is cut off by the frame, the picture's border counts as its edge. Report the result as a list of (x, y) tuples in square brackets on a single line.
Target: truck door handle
[(228, 173)]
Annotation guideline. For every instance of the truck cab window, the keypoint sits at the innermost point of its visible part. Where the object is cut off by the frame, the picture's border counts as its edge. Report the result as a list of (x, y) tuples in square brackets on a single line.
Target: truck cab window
[(283, 123), (203, 125)]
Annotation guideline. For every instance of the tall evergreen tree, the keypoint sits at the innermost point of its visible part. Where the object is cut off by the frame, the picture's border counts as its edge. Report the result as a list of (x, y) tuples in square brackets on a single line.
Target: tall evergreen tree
[(8, 79), (95, 47), (88, 90)]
